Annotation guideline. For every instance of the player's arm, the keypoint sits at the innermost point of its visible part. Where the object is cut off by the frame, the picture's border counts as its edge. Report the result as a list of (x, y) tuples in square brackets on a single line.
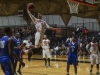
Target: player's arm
[(48, 41), (97, 48), (22, 45), (11, 47), (68, 51), (32, 17), (89, 48), (51, 28), (79, 48), (42, 45)]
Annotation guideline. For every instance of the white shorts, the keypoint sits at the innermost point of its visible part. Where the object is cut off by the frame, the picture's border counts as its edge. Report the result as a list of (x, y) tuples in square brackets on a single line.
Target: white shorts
[(46, 53), (38, 39), (94, 58)]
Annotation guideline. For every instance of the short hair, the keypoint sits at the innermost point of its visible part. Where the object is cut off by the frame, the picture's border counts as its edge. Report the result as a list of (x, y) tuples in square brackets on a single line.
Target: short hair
[(7, 29), (36, 15), (74, 36)]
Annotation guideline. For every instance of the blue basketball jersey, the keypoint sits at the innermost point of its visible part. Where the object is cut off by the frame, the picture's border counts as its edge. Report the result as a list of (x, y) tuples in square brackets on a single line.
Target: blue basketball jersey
[(4, 47), (73, 48), (17, 42)]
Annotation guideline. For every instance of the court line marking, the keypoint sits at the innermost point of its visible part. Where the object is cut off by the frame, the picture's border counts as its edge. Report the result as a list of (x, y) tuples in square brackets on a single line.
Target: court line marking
[(87, 69), (79, 69)]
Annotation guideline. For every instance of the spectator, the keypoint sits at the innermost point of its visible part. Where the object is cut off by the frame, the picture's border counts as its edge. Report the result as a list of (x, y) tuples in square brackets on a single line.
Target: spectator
[(55, 51), (28, 44), (63, 50), (85, 31), (69, 38), (86, 39), (81, 29), (77, 30)]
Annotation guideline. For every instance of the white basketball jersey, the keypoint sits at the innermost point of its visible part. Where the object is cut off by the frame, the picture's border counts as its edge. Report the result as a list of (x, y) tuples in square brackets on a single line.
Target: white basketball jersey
[(45, 44), (41, 25), (93, 48)]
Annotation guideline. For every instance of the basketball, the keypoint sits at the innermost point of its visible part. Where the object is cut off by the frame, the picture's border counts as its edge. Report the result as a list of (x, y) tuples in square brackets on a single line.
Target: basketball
[(30, 6)]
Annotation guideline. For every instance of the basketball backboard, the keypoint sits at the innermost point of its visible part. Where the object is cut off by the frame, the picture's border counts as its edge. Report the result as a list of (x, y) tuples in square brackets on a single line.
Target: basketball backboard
[(91, 1)]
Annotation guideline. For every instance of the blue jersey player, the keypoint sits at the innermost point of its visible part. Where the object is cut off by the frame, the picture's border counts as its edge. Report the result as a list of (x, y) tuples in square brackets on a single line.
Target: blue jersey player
[(7, 53), (72, 54), (17, 51)]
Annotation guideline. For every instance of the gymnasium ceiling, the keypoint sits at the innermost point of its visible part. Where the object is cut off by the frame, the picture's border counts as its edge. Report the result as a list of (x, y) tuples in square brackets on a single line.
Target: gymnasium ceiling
[(56, 7)]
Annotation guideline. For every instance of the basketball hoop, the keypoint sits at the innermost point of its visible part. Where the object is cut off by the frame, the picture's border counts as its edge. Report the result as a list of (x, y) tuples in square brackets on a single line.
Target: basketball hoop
[(73, 6)]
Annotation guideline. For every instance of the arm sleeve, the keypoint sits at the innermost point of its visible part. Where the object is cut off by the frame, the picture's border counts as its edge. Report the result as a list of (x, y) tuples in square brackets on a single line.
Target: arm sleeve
[(32, 17)]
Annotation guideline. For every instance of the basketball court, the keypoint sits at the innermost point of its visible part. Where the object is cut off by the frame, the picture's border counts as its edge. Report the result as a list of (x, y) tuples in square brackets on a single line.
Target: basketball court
[(58, 65)]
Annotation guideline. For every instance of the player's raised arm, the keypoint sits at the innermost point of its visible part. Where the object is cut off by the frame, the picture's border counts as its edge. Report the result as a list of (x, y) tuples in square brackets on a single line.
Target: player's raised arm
[(97, 48), (30, 6), (51, 28)]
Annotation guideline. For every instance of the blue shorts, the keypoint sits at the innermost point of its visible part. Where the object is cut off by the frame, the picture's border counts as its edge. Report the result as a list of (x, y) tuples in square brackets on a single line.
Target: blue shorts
[(18, 54), (7, 66), (72, 59)]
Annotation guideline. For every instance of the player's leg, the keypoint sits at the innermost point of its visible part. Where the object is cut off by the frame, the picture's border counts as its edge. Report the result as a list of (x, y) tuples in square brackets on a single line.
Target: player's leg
[(48, 55), (74, 61), (44, 57), (97, 64), (15, 65), (92, 62), (7, 66), (69, 62), (41, 39), (30, 55), (15, 61), (37, 39), (68, 67), (19, 68)]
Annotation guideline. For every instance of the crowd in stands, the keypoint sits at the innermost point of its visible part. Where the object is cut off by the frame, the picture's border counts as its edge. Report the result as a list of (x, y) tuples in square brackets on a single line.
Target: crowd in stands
[(59, 47)]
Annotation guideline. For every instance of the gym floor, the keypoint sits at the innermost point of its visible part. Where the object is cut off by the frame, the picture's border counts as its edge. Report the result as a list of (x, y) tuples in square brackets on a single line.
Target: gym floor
[(58, 67)]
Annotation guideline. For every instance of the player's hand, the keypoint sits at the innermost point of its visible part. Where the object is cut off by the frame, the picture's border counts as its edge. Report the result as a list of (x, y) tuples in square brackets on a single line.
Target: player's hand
[(23, 64), (57, 29)]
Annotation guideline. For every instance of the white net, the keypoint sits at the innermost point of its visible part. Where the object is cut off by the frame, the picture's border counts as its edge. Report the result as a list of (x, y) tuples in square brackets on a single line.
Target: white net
[(73, 6)]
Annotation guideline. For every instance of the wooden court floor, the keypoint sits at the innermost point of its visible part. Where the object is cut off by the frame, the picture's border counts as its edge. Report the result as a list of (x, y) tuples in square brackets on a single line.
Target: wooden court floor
[(36, 67)]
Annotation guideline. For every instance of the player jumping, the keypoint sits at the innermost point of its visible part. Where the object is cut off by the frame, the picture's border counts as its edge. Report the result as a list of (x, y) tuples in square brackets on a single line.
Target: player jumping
[(40, 25)]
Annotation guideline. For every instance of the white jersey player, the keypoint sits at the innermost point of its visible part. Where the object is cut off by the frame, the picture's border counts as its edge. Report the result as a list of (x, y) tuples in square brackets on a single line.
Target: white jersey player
[(94, 57), (40, 26), (46, 52)]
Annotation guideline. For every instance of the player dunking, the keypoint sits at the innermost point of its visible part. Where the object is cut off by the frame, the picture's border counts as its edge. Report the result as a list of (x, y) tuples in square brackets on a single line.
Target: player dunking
[(74, 46), (39, 24), (46, 52), (94, 57), (7, 53)]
